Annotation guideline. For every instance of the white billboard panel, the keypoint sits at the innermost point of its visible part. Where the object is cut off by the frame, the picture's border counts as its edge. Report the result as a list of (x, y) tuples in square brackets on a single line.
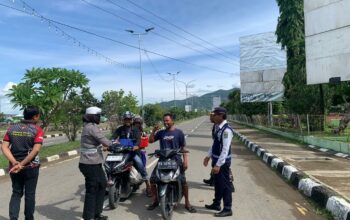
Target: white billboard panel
[(327, 34), (188, 108), (216, 102), (262, 65)]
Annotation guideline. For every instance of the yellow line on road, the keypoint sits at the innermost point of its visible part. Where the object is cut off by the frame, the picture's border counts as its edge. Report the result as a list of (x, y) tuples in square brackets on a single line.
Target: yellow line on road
[(301, 209)]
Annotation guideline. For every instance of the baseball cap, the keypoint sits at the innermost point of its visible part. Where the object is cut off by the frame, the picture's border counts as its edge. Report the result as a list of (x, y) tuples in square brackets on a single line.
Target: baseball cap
[(219, 110)]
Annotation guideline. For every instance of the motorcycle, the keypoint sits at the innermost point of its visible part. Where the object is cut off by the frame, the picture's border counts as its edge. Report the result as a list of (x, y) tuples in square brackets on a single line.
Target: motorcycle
[(123, 178), (168, 180)]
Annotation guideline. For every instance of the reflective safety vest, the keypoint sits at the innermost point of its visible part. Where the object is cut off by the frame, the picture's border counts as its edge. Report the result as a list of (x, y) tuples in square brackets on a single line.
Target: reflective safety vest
[(218, 144)]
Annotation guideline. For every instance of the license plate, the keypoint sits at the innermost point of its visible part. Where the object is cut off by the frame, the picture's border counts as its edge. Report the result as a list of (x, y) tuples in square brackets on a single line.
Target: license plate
[(167, 165), (114, 158)]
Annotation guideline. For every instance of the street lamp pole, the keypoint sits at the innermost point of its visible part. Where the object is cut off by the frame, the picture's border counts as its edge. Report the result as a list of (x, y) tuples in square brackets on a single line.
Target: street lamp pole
[(187, 85), (141, 75), (174, 75)]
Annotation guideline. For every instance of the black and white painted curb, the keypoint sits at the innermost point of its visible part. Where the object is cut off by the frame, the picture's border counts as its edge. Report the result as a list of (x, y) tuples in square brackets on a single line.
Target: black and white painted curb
[(54, 135), (4, 172), (329, 151), (325, 197)]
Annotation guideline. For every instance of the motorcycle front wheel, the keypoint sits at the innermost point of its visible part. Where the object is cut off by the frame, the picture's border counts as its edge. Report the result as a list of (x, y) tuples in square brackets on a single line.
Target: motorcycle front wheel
[(114, 195), (167, 204)]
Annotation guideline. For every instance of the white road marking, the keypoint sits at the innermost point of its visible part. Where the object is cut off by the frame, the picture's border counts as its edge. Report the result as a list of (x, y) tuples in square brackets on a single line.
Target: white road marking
[(152, 163)]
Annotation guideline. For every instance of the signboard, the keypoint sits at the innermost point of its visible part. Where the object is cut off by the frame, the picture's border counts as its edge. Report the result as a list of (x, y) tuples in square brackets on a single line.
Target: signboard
[(327, 44), (216, 102), (262, 67), (188, 108)]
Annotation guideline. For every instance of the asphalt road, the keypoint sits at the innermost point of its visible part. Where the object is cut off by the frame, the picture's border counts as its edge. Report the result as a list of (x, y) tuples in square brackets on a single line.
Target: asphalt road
[(260, 193)]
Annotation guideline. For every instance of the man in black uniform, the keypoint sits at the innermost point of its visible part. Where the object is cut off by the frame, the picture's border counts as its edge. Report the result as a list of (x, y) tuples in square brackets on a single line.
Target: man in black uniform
[(210, 181), (21, 145), (220, 153)]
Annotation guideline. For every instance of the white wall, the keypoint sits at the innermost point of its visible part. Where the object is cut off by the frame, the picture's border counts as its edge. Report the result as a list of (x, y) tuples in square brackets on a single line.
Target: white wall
[(327, 31)]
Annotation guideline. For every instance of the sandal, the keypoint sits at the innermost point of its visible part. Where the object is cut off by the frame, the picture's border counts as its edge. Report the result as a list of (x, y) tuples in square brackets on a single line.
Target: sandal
[(191, 209)]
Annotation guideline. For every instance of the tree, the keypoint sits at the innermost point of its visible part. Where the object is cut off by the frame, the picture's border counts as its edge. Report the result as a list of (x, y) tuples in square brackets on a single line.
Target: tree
[(72, 111), (153, 114), (340, 97), (234, 105), (116, 103), (47, 89), (2, 117), (299, 97)]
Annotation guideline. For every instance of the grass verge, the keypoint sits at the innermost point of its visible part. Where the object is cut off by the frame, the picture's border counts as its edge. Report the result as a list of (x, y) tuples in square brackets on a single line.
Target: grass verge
[(319, 210), (47, 151)]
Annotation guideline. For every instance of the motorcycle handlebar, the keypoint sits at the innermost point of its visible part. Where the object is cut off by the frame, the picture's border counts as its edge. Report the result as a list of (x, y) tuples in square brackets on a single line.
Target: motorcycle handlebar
[(120, 147), (157, 153)]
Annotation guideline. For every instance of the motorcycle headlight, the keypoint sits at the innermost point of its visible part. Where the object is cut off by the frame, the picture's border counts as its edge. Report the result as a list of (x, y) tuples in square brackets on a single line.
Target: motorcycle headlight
[(166, 177)]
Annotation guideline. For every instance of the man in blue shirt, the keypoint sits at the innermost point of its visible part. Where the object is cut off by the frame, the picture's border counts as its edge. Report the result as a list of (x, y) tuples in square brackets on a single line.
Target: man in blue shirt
[(170, 138)]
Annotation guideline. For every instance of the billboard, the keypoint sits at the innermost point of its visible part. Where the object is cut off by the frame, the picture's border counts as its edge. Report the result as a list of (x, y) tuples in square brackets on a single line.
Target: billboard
[(327, 44), (216, 102), (188, 108), (262, 67)]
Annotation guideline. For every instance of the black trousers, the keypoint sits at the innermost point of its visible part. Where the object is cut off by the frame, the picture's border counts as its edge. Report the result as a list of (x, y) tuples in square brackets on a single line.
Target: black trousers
[(95, 185), (223, 187), (23, 182)]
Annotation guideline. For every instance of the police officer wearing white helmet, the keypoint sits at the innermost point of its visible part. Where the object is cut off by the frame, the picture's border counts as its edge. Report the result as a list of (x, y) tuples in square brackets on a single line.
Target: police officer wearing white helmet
[(93, 142)]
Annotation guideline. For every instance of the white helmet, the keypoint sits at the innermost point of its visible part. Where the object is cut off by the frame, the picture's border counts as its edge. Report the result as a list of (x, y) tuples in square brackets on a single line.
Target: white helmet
[(93, 110)]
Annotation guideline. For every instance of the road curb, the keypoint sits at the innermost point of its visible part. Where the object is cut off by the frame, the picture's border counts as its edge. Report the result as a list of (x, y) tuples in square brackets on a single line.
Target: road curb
[(324, 150), (320, 194), (4, 172)]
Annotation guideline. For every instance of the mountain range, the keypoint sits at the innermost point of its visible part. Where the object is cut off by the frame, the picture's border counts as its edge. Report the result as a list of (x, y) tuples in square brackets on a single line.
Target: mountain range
[(203, 102)]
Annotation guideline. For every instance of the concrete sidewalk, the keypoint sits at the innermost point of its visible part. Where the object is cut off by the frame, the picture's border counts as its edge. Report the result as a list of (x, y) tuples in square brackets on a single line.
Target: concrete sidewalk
[(322, 169)]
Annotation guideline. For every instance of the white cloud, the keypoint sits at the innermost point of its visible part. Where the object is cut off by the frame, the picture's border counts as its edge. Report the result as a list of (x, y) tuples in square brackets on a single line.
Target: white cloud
[(24, 54), (8, 86), (5, 104)]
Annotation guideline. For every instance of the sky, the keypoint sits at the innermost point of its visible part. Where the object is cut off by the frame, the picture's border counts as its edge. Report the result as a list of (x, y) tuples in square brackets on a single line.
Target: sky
[(197, 38)]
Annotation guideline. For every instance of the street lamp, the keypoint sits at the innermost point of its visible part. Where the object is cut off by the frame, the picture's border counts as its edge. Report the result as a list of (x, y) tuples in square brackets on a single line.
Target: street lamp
[(139, 38), (174, 75), (187, 86)]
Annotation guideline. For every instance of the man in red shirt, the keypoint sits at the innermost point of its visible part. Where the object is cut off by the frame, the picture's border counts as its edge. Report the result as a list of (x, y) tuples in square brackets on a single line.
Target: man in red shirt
[(21, 145)]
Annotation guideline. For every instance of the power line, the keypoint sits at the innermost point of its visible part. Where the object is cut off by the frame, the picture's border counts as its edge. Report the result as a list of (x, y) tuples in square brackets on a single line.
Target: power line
[(155, 69), (153, 32), (176, 26), (167, 29), (65, 35), (125, 44)]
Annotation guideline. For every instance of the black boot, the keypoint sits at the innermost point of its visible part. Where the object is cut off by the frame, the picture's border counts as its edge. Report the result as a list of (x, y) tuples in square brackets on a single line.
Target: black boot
[(209, 181), (213, 207), (101, 217), (223, 213)]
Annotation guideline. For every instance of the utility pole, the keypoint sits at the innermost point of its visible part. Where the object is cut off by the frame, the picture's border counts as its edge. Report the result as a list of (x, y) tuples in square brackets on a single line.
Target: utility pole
[(139, 39), (174, 80)]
